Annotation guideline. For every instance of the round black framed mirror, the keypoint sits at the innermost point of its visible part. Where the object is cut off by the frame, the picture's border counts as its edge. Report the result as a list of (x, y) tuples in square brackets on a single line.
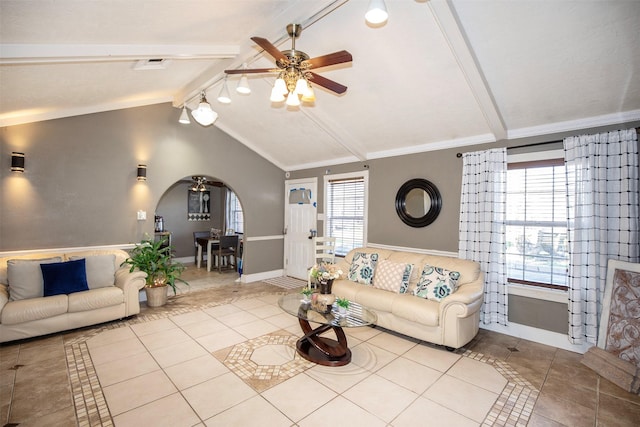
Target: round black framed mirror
[(418, 202)]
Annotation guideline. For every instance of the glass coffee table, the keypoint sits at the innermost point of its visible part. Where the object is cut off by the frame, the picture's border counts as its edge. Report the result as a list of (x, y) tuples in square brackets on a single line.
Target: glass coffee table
[(322, 350)]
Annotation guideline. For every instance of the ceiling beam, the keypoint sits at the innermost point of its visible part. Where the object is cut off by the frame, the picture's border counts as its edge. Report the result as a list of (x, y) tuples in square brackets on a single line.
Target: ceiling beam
[(448, 21), (56, 53)]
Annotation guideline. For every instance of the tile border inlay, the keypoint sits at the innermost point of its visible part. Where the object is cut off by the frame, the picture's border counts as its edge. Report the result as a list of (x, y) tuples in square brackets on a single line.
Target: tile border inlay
[(513, 407)]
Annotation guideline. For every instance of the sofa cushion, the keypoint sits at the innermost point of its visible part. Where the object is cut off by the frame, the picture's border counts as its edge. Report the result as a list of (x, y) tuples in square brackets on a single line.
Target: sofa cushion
[(25, 277), (95, 298), (363, 267), (375, 299), (101, 270), (421, 311), (436, 283), (64, 277), (392, 276), (27, 310)]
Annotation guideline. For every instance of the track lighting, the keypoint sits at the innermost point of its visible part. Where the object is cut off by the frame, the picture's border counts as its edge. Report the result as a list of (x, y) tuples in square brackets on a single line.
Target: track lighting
[(377, 13), (184, 117), (224, 97), (204, 114)]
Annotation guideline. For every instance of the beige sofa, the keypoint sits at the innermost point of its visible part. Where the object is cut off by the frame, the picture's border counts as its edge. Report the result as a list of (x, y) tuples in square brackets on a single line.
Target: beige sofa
[(451, 322), (113, 294)]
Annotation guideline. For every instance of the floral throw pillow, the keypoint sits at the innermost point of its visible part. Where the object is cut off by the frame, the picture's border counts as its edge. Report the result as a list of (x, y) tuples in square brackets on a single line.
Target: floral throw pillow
[(392, 276), (436, 283), (362, 267)]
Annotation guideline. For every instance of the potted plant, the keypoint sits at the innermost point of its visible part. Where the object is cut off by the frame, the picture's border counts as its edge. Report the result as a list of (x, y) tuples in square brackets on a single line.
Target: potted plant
[(306, 292), (343, 305), (154, 258)]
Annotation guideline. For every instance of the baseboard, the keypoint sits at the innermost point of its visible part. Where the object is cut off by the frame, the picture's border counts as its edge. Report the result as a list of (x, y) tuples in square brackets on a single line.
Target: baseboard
[(257, 277), (541, 336)]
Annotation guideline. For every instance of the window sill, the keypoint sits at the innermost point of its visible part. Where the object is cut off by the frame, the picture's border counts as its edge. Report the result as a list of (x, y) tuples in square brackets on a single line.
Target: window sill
[(538, 293)]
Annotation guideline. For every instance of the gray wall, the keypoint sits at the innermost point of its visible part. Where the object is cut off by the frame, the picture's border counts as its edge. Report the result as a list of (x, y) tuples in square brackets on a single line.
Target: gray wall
[(80, 188)]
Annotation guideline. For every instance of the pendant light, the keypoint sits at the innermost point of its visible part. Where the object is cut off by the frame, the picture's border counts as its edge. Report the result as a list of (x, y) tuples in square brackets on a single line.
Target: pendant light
[(377, 12), (204, 114)]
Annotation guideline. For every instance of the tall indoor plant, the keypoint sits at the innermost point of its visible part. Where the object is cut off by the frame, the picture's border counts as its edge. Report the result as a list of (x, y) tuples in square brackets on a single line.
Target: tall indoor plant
[(154, 258)]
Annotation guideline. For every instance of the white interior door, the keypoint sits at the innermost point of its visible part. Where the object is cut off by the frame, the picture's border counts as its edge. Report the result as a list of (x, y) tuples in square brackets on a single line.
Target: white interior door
[(300, 207)]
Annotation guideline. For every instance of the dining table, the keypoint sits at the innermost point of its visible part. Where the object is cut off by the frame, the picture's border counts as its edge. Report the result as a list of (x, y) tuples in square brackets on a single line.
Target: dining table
[(207, 242)]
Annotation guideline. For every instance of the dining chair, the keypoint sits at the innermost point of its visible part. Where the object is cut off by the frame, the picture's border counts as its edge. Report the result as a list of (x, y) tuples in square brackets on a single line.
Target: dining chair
[(199, 235), (228, 248), (324, 249)]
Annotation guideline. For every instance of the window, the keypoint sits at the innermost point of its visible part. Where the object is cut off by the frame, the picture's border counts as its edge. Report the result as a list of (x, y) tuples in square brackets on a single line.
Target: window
[(346, 210), (235, 218), (536, 223)]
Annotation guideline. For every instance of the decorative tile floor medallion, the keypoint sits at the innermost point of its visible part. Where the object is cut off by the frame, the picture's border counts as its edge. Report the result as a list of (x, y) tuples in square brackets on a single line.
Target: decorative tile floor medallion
[(265, 361)]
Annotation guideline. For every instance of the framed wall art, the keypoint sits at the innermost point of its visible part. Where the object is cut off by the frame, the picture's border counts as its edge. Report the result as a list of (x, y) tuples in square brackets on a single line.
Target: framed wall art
[(199, 205), (619, 331)]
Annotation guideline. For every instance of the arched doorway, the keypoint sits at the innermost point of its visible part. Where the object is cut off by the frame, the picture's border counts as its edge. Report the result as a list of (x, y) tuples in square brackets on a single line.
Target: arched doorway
[(198, 203)]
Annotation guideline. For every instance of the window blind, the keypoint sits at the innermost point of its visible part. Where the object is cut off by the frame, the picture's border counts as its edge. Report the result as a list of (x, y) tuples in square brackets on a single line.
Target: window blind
[(345, 213)]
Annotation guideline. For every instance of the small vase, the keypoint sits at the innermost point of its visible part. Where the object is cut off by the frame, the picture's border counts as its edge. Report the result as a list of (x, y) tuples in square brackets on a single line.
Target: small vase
[(325, 298), (325, 286), (342, 311)]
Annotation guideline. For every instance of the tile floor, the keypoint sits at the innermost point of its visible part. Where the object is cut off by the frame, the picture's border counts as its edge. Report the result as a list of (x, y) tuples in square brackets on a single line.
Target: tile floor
[(223, 356)]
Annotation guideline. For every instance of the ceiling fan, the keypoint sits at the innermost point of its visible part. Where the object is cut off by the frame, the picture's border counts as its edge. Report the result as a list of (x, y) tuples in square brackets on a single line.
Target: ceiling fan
[(199, 183), (294, 68)]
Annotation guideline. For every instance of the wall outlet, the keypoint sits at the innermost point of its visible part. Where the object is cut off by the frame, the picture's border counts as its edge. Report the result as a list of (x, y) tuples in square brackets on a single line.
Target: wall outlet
[(142, 215)]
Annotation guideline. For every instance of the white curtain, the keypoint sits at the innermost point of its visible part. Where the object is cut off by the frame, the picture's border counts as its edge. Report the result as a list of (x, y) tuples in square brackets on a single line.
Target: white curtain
[(482, 226), (602, 189)]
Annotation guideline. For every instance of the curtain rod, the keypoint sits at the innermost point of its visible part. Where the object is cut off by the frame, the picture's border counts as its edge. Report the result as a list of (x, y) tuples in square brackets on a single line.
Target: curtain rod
[(458, 155), (535, 144)]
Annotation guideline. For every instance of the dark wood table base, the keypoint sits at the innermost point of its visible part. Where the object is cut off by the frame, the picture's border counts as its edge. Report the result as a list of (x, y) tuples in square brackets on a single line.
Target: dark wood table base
[(321, 350)]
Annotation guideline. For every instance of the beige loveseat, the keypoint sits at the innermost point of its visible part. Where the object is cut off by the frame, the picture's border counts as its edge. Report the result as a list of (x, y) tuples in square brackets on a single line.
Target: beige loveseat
[(451, 322), (24, 312)]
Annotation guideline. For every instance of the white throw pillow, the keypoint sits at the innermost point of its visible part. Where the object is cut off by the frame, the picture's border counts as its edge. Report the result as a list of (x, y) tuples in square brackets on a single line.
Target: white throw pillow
[(25, 277), (101, 270), (392, 276), (363, 267), (436, 283)]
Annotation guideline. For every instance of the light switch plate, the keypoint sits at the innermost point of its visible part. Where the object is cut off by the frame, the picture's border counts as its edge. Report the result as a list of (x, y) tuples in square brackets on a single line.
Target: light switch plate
[(142, 215)]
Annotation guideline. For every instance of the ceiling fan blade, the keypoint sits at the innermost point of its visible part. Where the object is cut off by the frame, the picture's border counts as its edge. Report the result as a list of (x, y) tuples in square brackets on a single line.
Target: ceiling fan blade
[(327, 83), (252, 71), (330, 59), (271, 49)]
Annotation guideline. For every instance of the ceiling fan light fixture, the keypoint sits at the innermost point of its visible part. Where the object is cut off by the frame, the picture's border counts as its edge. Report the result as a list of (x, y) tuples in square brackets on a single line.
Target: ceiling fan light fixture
[(276, 95), (301, 86), (184, 117), (281, 86), (308, 95), (204, 114), (293, 100), (224, 97), (377, 12)]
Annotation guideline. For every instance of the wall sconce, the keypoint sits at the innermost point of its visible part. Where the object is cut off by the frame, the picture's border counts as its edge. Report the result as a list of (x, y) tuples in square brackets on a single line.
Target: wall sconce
[(17, 162), (142, 172)]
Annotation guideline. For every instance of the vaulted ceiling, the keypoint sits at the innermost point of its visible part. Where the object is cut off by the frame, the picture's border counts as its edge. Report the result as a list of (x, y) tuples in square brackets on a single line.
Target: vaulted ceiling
[(437, 74)]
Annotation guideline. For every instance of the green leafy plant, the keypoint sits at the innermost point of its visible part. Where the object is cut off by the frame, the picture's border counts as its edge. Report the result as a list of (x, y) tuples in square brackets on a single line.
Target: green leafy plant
[(154, 258), (306, 291), (342, 302)]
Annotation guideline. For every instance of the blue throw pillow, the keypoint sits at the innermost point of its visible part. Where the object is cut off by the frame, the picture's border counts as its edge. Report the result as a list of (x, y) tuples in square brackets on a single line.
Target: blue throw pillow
[(64, 277)]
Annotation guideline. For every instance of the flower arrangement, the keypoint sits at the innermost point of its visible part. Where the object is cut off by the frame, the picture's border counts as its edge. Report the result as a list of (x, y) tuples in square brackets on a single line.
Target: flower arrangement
[(325, 271)]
